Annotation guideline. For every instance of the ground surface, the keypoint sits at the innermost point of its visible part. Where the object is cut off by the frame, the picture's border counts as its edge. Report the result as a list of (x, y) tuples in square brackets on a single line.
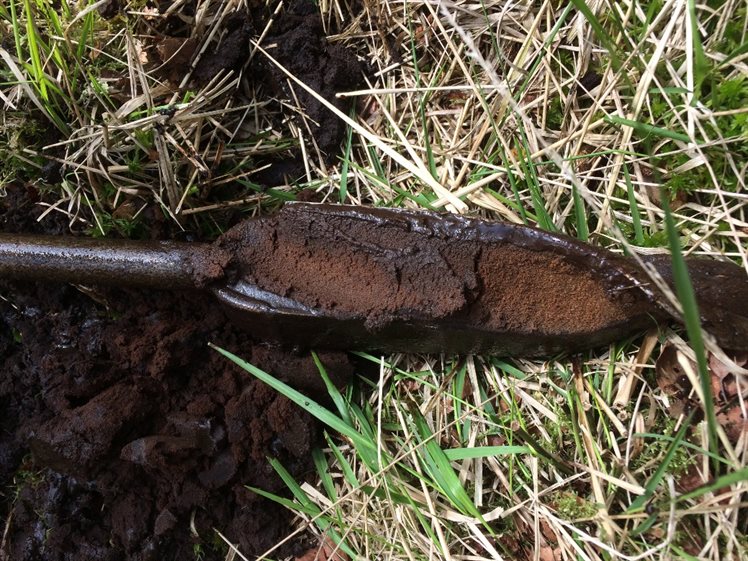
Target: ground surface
[(174, 120)]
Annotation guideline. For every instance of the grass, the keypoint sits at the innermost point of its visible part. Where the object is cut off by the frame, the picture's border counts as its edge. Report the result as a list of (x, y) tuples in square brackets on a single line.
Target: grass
[(482, 112)]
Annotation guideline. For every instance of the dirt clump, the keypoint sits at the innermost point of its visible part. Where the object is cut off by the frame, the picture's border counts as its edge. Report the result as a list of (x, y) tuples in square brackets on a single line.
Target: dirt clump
[(230, 53), (299, 44), (296, 39), (79, 438), (120, 429)]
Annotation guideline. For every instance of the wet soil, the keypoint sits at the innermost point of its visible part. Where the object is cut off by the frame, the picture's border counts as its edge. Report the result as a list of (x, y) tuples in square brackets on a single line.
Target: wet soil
[(120, 429), (355, 277), (501, 288), (403, 274)]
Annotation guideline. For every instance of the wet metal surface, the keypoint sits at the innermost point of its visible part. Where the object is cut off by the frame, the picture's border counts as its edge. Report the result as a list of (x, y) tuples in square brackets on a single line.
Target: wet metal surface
[(95, 261)]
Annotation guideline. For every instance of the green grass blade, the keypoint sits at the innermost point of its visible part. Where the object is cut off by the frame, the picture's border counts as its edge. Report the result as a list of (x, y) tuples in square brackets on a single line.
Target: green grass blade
[(737, 52), (583, 230), (345, 164), (685, 444), (307, 404), (605, 38), (687, 298), (345, 466), (644, 526), (533, 184), (701, 65), (310, 507), (438, 465), (517, 198), (647, 129), (34, 47), (392, 495), (288, 503), (323, 470), (635, 215), (15, 24), (539, 59), (368, 454), (683, 555), (294, 487), (332, 391), (322, 522)]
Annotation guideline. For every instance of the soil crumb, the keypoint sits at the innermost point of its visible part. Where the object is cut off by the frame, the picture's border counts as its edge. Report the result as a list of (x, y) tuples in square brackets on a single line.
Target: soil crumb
[(120, 428)]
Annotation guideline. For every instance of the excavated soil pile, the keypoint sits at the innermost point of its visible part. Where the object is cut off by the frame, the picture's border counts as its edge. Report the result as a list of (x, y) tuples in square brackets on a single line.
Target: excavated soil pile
[(136, 427), (389, 267)]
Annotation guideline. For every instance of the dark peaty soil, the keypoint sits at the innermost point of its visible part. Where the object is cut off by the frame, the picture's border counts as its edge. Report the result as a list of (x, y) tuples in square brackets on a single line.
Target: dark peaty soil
[(296, 39), (134, 425), (299, 44)]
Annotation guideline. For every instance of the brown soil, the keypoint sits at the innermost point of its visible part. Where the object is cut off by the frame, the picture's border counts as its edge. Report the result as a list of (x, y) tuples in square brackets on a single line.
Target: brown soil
[(389, 269), (134, 425), (530, 291)]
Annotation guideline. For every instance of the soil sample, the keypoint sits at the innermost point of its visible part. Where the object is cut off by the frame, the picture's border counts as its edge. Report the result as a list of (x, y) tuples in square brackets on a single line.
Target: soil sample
[(389, 279)]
